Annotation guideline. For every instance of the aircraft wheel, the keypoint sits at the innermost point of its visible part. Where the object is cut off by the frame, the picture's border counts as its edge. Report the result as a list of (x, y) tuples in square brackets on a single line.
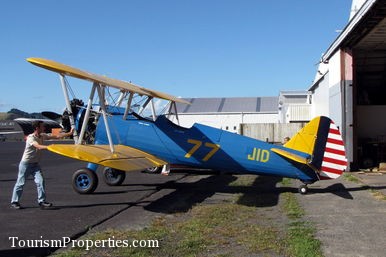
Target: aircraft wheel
[(113, 177), (154, 170), (84, 181), (303, 189)]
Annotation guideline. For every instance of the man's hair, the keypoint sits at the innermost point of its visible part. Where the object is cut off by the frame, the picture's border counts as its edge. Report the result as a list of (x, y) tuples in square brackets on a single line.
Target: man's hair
[(36, 124)]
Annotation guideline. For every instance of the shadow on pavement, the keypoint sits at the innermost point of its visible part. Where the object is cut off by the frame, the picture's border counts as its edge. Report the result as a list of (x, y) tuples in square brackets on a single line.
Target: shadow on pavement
[(262, 193)]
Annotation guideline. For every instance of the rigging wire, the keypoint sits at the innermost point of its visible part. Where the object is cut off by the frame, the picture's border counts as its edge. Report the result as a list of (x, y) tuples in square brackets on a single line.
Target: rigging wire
[(69, 88)]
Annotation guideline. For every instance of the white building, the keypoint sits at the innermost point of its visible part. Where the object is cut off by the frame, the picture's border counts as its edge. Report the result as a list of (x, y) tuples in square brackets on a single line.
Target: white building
[(228, 113), (295, 106)]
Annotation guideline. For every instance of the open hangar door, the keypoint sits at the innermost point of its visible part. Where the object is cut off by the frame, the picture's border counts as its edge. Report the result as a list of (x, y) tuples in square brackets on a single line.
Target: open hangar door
[(369, 94)]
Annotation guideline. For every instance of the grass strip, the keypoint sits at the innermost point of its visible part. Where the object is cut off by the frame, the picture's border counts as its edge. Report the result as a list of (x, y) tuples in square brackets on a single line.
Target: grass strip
[(300, 238)]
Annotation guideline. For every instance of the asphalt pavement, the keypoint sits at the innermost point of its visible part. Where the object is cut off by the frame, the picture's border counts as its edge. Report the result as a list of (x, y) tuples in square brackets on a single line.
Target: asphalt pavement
[(349, 219), (72, 214)]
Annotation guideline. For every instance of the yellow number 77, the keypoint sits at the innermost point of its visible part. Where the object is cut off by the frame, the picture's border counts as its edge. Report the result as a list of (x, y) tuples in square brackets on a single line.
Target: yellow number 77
[(197, 144)]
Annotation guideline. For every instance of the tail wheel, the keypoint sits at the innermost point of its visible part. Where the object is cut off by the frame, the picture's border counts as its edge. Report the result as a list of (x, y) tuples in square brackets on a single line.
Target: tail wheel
[(84, 181), (113, 177), (303, 189)]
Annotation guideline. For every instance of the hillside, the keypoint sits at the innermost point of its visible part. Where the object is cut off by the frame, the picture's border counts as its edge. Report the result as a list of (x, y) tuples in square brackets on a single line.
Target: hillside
[(15, 113), (3, 115)]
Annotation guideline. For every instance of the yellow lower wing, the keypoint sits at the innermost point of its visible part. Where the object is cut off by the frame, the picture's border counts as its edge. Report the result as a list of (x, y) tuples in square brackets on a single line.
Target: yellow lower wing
[(124, 157)]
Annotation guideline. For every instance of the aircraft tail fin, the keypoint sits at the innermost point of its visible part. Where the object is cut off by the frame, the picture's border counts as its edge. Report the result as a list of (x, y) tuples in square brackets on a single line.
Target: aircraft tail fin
[(322, 140)]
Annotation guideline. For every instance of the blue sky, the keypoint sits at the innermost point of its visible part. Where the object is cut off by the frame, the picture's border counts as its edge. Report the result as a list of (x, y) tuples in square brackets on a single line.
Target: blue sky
[(187, 48)]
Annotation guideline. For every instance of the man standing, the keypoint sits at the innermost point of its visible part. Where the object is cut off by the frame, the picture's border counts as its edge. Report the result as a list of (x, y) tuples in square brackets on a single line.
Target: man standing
[(29, 164)]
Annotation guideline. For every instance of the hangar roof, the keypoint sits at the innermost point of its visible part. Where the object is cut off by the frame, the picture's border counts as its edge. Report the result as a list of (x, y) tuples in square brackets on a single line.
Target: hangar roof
[(230, 105)]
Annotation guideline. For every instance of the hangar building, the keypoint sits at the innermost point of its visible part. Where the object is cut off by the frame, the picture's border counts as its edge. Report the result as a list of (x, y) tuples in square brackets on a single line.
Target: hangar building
[(228, 113), (350, 85)]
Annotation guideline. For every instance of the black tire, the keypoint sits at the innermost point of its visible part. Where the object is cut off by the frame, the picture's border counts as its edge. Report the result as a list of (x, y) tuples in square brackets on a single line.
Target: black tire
[(113, 177), (153, 170), (84, 181)]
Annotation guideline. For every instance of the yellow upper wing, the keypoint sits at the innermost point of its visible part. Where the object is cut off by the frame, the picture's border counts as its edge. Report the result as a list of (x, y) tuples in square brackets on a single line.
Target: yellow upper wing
[(80, 74), (124, 158)]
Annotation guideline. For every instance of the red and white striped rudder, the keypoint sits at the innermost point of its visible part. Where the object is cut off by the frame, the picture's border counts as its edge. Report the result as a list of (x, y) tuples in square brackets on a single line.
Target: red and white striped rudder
[(334, 161)]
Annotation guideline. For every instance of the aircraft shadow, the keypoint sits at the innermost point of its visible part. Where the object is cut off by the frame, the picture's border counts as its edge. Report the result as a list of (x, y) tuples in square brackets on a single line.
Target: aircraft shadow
[(185, 196), (340, 190), (262, 193), (337, 189)]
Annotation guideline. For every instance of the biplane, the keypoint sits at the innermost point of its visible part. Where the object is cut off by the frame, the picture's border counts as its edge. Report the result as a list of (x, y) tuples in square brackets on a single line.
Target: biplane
[(119, 136)]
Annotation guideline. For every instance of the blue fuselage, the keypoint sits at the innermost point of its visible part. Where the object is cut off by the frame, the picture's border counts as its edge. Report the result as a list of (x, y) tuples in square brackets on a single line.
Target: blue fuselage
[(202, 146)]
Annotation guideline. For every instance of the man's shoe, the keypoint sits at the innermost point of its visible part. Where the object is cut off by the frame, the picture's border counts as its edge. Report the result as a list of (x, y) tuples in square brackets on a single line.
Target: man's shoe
[(44, 205), (15, 205)]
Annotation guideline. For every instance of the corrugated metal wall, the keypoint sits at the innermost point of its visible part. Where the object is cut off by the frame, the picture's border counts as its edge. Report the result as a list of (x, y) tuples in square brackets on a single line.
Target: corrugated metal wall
[(271, 132), (299, 112), (226, 121)]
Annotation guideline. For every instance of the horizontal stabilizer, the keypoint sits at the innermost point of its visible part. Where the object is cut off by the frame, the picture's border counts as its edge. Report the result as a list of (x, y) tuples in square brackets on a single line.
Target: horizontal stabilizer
[(291, 156), (124, 157)]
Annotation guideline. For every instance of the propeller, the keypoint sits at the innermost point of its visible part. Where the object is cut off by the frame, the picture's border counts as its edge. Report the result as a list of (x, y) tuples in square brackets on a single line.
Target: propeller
[(53, 116), (77, 111)]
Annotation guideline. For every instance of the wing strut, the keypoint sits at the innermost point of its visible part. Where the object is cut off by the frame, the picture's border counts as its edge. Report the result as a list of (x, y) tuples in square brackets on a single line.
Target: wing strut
[(87, 115), (153, 110), (68, 105), (103, 106), (173, 106), (149, 100), (121, 97), (144, 105), (128, 105)]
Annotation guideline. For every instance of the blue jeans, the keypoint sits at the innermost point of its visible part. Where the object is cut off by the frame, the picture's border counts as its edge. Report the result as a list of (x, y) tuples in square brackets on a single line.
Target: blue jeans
[(25, 170)]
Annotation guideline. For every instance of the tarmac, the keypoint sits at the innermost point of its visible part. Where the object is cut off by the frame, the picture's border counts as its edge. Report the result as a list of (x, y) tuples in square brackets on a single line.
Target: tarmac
[(350, 219)]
